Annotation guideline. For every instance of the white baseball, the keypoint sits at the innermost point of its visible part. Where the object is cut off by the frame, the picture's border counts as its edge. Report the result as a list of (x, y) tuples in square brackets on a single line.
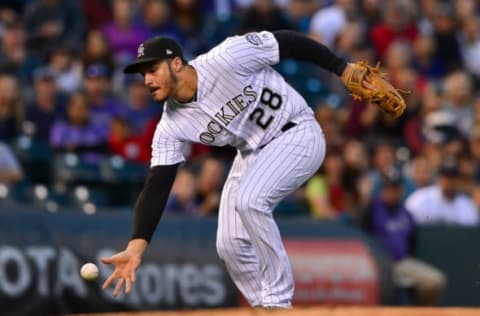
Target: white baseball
[(89, 271)]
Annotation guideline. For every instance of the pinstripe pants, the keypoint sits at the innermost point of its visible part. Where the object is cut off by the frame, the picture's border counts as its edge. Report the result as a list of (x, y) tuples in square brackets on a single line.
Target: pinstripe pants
[(248, 239)]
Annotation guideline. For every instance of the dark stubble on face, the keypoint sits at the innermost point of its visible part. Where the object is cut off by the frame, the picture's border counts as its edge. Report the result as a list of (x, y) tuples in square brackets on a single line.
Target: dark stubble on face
[(173, 76), (173, 82)]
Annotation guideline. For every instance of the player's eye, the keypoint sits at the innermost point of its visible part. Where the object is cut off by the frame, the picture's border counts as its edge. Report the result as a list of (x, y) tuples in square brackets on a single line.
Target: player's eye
[(154, 68)]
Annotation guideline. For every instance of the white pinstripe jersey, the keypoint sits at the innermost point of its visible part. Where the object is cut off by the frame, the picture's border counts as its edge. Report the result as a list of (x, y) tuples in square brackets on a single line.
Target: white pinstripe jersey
[(241, 101)]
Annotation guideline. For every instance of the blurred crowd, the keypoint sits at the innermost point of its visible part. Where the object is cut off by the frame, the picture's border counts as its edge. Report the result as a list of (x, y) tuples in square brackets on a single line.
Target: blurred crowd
[(74, 130)]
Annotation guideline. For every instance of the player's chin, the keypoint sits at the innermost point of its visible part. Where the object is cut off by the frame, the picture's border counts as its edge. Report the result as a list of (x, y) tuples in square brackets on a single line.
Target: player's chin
[(159, 98)]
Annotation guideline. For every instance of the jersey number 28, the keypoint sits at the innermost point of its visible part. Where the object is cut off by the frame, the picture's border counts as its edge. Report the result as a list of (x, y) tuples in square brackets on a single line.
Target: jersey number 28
[(272, 100)]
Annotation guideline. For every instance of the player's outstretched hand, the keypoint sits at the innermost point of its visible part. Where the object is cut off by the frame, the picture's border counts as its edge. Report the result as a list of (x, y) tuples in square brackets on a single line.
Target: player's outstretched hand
[(126, 263)]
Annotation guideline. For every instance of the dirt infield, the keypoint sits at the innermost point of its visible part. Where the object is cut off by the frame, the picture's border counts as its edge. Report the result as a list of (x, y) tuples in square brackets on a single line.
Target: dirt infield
[(313, 311)]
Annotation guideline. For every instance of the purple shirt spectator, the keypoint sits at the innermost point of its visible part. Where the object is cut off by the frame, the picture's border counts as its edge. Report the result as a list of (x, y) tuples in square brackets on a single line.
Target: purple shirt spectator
[(124, 42), (78, 133), (46, 107), (123, 34), (102, 113), (103, 107), (65, 135), (393, 228)]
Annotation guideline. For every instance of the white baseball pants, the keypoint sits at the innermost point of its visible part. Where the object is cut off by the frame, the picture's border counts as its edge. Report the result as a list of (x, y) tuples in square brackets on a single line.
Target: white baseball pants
[(248, 239)]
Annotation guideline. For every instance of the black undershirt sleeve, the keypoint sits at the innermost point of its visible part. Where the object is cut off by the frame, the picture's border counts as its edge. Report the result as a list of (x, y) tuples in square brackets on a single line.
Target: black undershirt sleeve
[(296, 45), (151, 201)]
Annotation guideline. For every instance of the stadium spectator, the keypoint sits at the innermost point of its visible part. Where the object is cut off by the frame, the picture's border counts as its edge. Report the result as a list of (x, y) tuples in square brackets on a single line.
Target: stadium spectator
[(157, 18), (425, 61), (68, 70), (407, 79), (98, 89), (54, 22), (46, 106), (325, 191), (123, 33), (121, 139), (78, 133), (350, 39), (133, 147), (458, 100), (10, 11), (97, 13), (355, 176), (421, 172), (391, 224), (15, 59), (10, 170), (328, 118), (465, 9), (140, 106), (329, 22), (474, 150), (11, 109), (384, 160), (299, 13), (379, 125), (264, 15), (398, 56), (446, 37), (466, 172), (182, 198), (442, 202), (469, 37), (209, 184), (414, 130), (97, 50), (370, 13), (190, 19), (397, 24)]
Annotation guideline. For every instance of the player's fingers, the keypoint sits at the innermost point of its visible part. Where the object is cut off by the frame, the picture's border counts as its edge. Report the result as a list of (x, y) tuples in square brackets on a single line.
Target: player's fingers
[(118, 257), (128, 285), (108, 260), (118, 287), (368, 85), (133, 277), (109, 281)]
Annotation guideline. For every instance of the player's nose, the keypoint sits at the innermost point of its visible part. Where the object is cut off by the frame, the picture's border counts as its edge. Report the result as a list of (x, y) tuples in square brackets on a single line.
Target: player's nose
[(148, 79)]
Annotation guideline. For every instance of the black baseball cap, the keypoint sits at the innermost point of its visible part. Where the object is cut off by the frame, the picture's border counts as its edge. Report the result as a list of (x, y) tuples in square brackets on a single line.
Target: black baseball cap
[(154, 49)]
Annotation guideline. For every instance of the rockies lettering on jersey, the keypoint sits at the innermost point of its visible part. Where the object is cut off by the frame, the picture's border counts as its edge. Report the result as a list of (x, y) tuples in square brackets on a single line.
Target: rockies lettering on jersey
[(227, 113)]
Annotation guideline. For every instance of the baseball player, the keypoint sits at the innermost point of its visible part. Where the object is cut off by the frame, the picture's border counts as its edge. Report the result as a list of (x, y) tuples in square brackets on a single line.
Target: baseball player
[(232, 96)]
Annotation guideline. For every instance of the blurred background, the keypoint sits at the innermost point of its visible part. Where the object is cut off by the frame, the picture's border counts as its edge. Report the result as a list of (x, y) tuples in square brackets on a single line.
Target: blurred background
[(394, 208)]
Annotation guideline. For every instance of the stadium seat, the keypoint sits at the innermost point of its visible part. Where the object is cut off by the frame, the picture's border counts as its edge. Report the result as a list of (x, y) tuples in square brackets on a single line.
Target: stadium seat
[(73, 168), (35, 156)]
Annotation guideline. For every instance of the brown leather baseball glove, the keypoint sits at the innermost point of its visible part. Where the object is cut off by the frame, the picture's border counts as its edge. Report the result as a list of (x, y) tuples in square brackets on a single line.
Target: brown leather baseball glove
[(382, 93)]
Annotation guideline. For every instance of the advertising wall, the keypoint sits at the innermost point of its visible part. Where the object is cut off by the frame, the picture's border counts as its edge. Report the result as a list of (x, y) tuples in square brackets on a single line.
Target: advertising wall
[(41, 254)]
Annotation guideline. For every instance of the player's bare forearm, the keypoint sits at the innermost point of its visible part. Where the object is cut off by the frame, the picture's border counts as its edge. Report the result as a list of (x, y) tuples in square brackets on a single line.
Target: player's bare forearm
[(137, 245)]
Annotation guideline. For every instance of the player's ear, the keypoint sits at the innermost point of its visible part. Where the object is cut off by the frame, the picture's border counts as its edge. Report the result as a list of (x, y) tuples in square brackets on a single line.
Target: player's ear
[(177, 64)]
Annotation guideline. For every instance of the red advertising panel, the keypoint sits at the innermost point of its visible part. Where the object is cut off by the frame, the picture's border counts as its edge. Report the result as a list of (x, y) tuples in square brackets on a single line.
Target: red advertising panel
[(333, 271)]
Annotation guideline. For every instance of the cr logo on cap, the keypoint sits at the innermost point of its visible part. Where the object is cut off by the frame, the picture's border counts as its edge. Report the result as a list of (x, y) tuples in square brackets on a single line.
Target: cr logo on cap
[(140, 51)]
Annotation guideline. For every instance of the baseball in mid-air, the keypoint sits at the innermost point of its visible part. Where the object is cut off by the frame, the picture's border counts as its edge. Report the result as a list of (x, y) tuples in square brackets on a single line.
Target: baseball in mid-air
[(89, 271)]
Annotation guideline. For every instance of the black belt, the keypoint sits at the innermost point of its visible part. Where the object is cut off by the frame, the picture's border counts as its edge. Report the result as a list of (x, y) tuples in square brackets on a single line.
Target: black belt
[(288, 126), (284, 128)]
